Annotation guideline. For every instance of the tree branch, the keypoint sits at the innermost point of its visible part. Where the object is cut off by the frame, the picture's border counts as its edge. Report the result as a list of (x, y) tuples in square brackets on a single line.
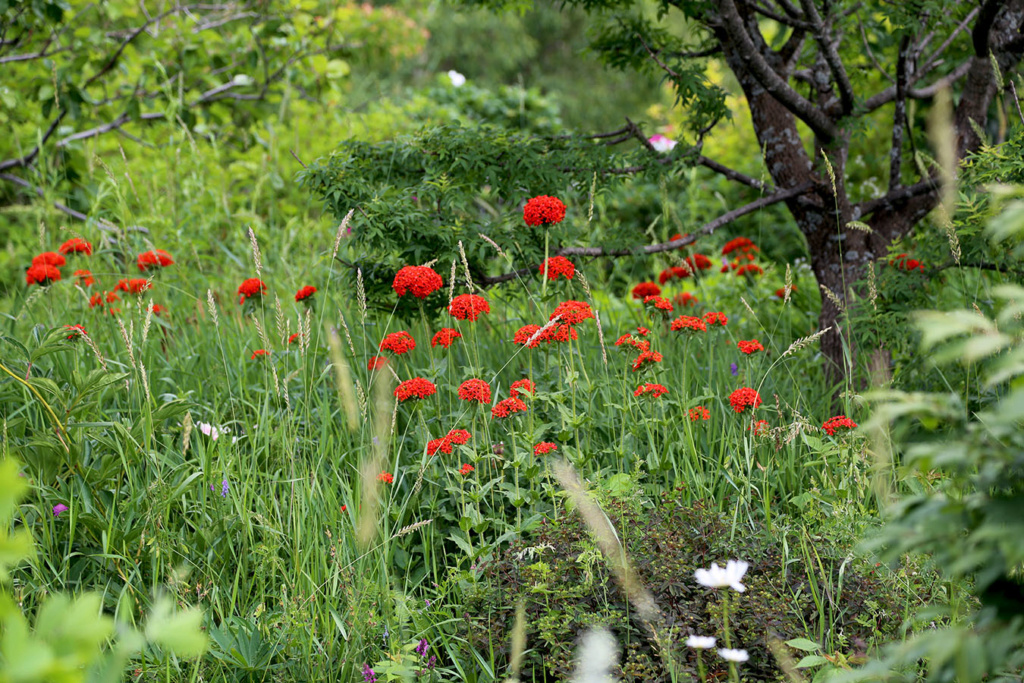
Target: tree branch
[(896, 196), (828, 49), (63, 208), (30, 157), (899, 115), (814, 117), (733, 175)]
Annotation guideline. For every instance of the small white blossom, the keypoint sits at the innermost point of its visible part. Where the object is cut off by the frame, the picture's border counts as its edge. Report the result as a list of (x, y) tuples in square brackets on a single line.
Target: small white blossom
[(734, 655), (700, 642), (457, 79), (661, 143), (717, 577), (209, 430)]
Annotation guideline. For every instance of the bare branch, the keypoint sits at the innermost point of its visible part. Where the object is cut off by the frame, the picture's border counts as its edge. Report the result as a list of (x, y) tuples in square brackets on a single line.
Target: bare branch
[(775, 16), (63, 208), (871, 55), (30, 157), (665, 67), (896, 196), (828, 50), (814, 117), (733, 175), (899, 117), (944, 82)]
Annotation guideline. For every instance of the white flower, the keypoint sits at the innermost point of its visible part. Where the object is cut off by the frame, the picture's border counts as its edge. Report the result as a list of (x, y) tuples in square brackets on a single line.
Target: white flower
[(700, 642), (457, 79), (730, 575), (209, 430), (734, 655), (661, 143)]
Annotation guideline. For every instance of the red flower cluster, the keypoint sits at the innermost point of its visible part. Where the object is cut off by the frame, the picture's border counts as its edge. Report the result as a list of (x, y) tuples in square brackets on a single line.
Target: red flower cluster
[(834, 424), (544, 210), (781, 291), (445, 337), (716, 318), (466, 469), (49, 258), (76, 245), (475, 390), (699, 413), (455, 437), (572, 312), (645, 359), (376, 363), (422, 281), (677, 272), (653, 390), (749, 347), (558, 265), (75, 332), (643, 331), (544, 447), (525, 333), (743, 398), (295, 337), (468, 307), (630, 340), (251, 288), (135, 285), (658, 303), (398, 343), (85, 278), (900, 261), (41, 274), (417, 387), (749, 269), (689, 323), (258, 353), (645, 289), (160, 310), (758, 426), (508, 406), (739, 243), (102, 299), (685, 299), (386, 477), (698, 262), (523, 384), (305, 293), (155, 258)]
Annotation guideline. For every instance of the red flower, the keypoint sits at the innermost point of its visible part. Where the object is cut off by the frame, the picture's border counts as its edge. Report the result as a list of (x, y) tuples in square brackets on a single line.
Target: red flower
[(85, 278), (630, 340), (901, 261), (781, 291), (698, 262), (677, 272), (445, 337), (715, 318), (834, 424), (468, 307), (741, 243), (75, 331), (645, 359), (749, 347), (376, 363), (49, 258), (135, 285), (643, 331), (743, 398), (658, 303), (558, 265), (699, 413), (749, 269), (292, 339), (386, 477), (160, 310), (544, 447), (398, 343), (523, 384), (305, 293), (41, 275), (646, 289), (572, 312), (685, 299), (459, 436), (466, 469), (157, 257), (544, 210), (506, 407), (76, 245), (559, 334), (689, 323), (259, 352), (252, 287), (422, 281), (444, 444), (417, 387), (654, 390), (100, 300), (475, 390), (758, 426), (525, 333)]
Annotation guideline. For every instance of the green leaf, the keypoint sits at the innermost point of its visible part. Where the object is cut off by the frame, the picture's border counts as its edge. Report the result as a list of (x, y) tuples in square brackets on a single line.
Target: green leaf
[(803, 644), (811, 660)]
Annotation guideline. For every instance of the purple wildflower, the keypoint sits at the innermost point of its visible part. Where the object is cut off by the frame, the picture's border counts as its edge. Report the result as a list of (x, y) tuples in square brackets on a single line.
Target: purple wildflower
[(223, 488), (59, 508), (422, 648), (368, 674), (735, 369)]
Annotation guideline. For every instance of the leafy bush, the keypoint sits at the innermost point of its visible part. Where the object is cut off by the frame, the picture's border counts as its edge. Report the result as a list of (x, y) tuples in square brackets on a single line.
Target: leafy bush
[(562, 579)]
